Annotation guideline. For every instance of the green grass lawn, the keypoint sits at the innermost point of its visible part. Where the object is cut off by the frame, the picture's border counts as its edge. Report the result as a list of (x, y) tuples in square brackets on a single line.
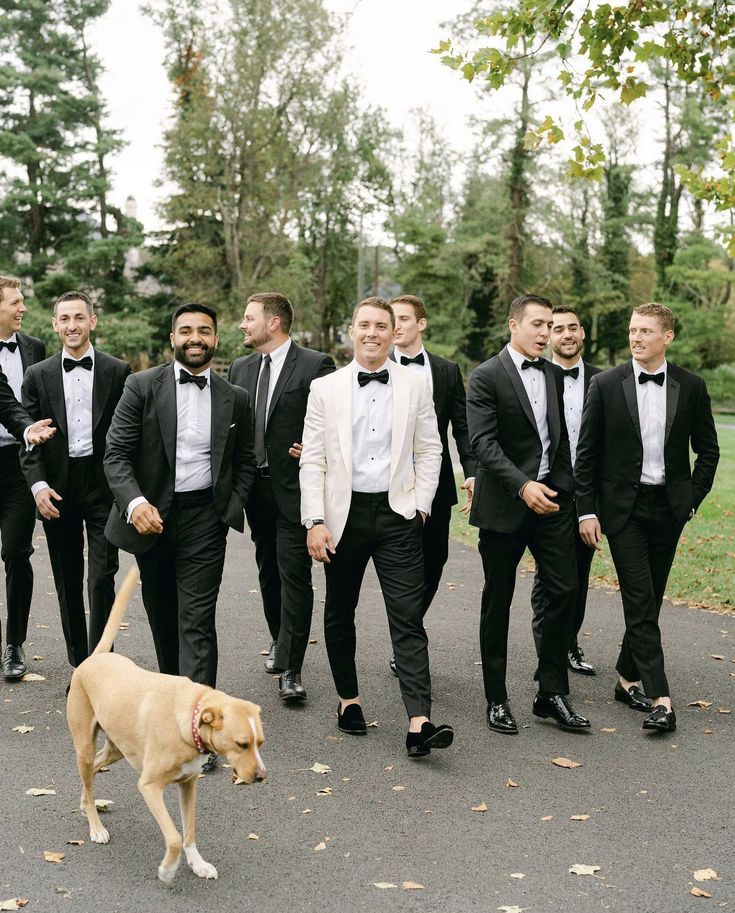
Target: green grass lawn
[(704, 568)]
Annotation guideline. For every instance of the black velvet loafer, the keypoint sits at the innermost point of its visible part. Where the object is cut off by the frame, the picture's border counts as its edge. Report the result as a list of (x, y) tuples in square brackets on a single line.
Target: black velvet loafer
[(351, 720), (419, 744)]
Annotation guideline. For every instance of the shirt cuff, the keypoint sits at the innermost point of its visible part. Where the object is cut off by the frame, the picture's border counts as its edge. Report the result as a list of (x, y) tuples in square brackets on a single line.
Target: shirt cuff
[(424, 510), (469, 479), (133, 504), (587, 517), (29, 447), (39, 486)]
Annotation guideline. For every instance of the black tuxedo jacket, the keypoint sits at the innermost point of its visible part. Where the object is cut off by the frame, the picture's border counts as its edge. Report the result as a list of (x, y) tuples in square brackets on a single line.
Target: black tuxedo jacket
[(15, 418), (140, 459), (285, 419), (506, 442), (610, 450), (450, 405), (43, 396)]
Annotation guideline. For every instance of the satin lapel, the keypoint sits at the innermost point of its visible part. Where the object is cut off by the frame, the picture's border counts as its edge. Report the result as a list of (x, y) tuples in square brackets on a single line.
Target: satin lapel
[(342, 411), (26, 351), (400, 416), (510, 369), (552, 410), (438, 382), (672, 401), (52, 379), (223, 404), (632, 400), (100, 389), (286, 371), (164, 396), (251, 380)]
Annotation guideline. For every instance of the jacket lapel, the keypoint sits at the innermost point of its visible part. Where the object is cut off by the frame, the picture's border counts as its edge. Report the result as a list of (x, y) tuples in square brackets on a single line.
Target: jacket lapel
[(52, 379), (400, 417), (438, 381), (101, 385), (251, 379), (26, 351), (222, 409), (552, 410), (510, 369), (631, 398), (286, 371), (164, 396), (672, 401)]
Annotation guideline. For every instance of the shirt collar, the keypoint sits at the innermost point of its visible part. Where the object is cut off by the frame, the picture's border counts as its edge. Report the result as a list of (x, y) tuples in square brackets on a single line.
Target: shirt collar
[(422, 351), (356, 368), (89, 352), (178, 368), (639, 369), (12, 338), (278, 356), (577, 364), (518, 357)]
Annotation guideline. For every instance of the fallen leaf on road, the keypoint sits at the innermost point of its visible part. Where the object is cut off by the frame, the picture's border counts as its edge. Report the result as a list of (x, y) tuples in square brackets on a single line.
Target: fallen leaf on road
[(262, 652), (75, 842), (13, 903), (513, 909), (512, 783), (389, 767), (547, 817), (698, 892), (706, 875), (320, 768), (566, 762), (326, 791), (383, 885), (703, 704), (346, 779), (103, 805), (313, 641), (23, 729), (306, 811), (320, 846), (373, 725), (412, 886), (37, 658), (397, 789), (479, 808), (708, 731), (40, 792), (517, 875), (716, 656), (579, 818), (579, 869), (606, 729), (724, 710), (50, 856), (33, 677), (253, 837), (124, 625)]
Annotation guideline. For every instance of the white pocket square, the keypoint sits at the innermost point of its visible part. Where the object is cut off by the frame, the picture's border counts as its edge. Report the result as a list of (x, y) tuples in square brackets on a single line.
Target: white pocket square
[(232, 425)]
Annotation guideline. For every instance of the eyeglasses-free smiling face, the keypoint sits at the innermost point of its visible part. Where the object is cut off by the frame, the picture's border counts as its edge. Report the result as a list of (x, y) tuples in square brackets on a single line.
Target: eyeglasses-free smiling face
[(567, 336), (74, 324), (371, 335), (194, 341)]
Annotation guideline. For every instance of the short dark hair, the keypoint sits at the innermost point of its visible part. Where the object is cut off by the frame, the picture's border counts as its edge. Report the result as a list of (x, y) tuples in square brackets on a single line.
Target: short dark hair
[(566, 309), (375, 302), (518, 305), (74, 296), (419, 308), (192, 307), (275, 305)]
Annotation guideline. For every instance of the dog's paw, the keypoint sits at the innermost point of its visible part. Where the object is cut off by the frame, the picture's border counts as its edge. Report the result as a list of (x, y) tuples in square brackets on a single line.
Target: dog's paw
[(166, 872), (198, 865), (102, 835)]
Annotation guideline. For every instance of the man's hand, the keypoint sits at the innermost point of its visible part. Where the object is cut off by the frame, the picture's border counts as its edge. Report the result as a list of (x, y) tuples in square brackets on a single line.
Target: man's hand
[(537, 496), (45, 503), (319, 543), (147, 520), (469, 487), (295, 450), (591, 533), (39, 432)]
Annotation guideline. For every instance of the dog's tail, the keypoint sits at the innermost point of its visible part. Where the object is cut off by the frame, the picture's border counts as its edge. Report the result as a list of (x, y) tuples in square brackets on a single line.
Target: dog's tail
[(117, 613)]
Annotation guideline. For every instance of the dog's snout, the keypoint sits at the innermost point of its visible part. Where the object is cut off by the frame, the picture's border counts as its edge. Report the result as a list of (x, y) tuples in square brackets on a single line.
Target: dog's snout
[(261, 774)]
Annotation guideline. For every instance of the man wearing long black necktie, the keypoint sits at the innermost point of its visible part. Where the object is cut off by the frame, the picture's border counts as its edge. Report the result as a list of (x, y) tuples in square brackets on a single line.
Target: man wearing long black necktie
[(79, 388)]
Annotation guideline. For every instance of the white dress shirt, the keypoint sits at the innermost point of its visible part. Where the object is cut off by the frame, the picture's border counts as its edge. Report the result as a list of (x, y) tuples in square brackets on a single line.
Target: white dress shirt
[(425, 367), (372, 427), (652, 417), (573, 405), (534, 382), (12, 368)]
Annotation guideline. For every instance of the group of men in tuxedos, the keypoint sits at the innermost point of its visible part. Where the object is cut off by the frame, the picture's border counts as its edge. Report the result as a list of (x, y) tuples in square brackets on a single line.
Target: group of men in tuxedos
[(344, 466)]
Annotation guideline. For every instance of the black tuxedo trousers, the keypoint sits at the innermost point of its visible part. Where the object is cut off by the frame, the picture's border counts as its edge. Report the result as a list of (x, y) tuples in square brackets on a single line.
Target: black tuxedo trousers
[(17, 522)]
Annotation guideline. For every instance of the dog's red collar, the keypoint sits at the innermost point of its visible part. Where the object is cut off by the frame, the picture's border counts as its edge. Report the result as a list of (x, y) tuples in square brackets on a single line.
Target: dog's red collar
[(195, 729)]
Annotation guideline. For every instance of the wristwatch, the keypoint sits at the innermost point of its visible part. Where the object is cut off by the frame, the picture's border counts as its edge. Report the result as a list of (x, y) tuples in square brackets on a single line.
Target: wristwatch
[(311, 523)]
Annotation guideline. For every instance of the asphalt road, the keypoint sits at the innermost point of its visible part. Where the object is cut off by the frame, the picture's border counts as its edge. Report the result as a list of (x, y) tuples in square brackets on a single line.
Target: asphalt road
[(660, 808)]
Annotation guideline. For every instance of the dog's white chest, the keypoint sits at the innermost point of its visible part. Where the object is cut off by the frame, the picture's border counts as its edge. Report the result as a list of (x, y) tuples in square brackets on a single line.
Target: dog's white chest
[(193, 767)]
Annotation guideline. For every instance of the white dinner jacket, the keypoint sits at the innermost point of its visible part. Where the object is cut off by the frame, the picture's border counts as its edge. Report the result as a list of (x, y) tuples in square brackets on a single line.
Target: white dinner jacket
[(325, 476)]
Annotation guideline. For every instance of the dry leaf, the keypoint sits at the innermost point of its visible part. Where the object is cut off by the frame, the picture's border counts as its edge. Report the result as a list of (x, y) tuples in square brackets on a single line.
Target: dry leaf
[(320, 846), (75, 842), (512, 784), (547, 817), (513, 909), (124, 625), (347, 779), (479, 808), (306, 811), (373, 725), (703, 704), (13, 903), (566, 762), (579, 869), (37, 658), (579, 818), (698, 892), (412, 886), (706, 875), (397, 789), (262, 652), (517, 875), (23, 729), (389, 767), (716, 656), (326, 791), (708, 731), (320, 768), (33, 677), (384, 884), (724, 710), (606, 729), (313, 641), (253, 837), (50, 856), (103, 805), (40, 792)]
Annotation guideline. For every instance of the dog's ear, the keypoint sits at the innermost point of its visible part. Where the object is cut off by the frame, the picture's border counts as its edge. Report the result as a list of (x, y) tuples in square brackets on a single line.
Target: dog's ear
[(212, 717)]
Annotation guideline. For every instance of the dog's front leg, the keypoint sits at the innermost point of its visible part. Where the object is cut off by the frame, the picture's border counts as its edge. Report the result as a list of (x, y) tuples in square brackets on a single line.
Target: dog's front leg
[(188, 801), (153, 795)]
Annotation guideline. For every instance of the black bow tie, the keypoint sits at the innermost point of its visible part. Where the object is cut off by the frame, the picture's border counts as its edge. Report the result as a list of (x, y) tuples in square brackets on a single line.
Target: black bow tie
[(71, 363), (11, 346), (571, 372), (199, 379), (416, 360), (643, 378), (364, 377), (537, 363)]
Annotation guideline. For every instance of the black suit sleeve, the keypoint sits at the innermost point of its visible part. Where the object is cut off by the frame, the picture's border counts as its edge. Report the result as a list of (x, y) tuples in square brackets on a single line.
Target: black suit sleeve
[(459, 426), (31, 461), (326, 366), (123, 442), (588, 449), (243, 457), (704, 444), (15, 418)]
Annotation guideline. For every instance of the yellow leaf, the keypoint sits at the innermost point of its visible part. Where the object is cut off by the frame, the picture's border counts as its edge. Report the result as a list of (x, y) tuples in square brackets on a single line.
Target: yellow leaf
[(397, 789), (705, 875), (23, 729), (50, 856), (40, 792), (320, 768), (103, 805), (253, 837), (262, 652), (13, 903), (75, 842), (320, 846), (412, 886), (716, 656), (479, 808), (579, 818), (547, 817), (33, 677), (327, 791), (724, 710), (703, 704), (512, 783), (606, 729), (383, 885), (698, 892), (579, 869), (517, 875), (566, 762)]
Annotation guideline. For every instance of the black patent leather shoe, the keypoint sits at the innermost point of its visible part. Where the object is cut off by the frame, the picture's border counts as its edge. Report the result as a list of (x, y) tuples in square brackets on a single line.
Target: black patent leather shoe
[(269, 663), (351, 720), (500, 719), (290, 689), (633, 697), (211, 763), (419, 744), (577, 662), (14, 663), (558, 708), (392, 666), (661, 720)]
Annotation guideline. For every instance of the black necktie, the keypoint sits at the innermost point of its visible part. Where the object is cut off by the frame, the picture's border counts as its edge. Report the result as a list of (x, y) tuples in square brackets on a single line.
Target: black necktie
[(71, 363), (643, 378), (538, 364), (571, 372), (261, 400), (10, 346), (364, 377), (199, 379), (416, 360)]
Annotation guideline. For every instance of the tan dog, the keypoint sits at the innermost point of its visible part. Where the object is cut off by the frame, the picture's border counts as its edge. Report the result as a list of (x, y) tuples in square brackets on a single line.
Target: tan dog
[(165, 726)]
